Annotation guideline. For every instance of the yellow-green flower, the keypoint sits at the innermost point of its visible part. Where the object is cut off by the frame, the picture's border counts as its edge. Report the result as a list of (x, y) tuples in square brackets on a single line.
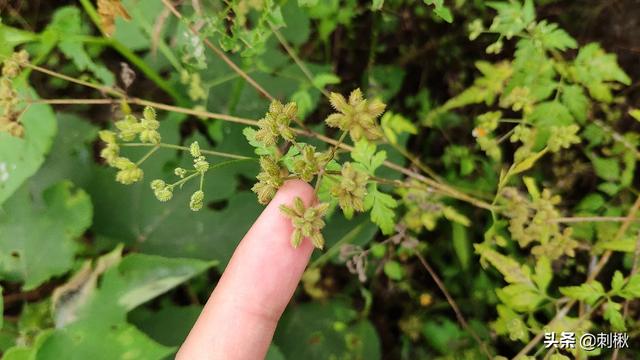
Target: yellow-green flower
[(276, 123), (357, 116), (269, 179), (307, 222), (352, 188)]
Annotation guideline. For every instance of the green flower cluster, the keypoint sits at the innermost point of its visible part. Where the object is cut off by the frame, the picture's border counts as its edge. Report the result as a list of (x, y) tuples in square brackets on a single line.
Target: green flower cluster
[(562, 137), (270, 178), (164, 192), (276, 123), (146, 128), (128, 171), (357, 115), (307, 222), (351, 189), (310, 162), (534, 221), (8, 96)]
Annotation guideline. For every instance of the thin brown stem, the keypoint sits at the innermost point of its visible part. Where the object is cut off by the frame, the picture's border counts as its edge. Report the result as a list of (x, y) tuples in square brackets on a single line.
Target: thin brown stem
[(452, 302)]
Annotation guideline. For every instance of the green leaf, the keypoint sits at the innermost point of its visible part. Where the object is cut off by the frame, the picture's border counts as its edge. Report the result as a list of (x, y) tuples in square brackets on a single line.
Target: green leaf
[(617, 282), (324, 79), (381, 206), (65, 25), (440, 10), (589, 292), (520, 297), (512, 271), (606, 168), (574, 98), (329, 330), (365, 154), (552, 37), (20, 158), (461, 244), (377, 4), (632, 289), (450, 213), (393, 270), (303, 99), (612, 313), (635, 113), (395, 124), (526, 163), (543, 274), (29, 234), (594, 69)]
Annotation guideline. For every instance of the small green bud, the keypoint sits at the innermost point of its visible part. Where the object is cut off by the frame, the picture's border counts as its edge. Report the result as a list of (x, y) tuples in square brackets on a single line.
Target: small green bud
[(107, 136), (201, 164), (110, 153), (194, 149), (180, 172), (158, 184), (269, 179), (129, 176), (165, 194), (150, 136), (352, 188), (149, 113), (276, 123), (129, 127), (197, 200)]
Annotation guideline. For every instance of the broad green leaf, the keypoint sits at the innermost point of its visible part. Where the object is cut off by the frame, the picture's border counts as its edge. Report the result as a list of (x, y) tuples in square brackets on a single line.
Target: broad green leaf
[(393, 270), (324, 331), (382, 208), (606, 168), (324, 79), (169, 325), (30, 234), (20, 158), (594, 69), (588, 292), (553, 37)]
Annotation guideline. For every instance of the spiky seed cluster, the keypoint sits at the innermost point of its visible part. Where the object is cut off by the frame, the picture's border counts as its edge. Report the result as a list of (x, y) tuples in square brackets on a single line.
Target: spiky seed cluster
[(277, 123), (161, 190), (310, 163), (307, 222), (129, 172), (352, 188), (197, 200), (146, 129), (270, 178), (357, 116), (8, 96)]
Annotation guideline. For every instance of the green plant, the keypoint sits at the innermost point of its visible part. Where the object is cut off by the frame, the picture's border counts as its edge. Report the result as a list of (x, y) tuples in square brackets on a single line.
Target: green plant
[(527, 128)]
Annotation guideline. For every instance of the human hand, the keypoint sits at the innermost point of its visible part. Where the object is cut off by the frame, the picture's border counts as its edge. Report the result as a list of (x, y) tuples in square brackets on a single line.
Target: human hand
[(241, 314)]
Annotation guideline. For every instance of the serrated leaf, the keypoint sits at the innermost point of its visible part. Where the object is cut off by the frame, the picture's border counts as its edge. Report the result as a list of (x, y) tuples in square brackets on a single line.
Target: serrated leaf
[(612, 313), (574, 98), (381, 206), (543, 274), (395, 124), (617, 282), (632, 288), (512, 271), (364, 153), (606, 168), (324, 79), (520, 297), (552, 37), (29, 235), (594, 68), (589, 292)]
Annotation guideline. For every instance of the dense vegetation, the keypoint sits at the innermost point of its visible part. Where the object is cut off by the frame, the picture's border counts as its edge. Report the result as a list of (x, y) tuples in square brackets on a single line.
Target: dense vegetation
[(474, 163)]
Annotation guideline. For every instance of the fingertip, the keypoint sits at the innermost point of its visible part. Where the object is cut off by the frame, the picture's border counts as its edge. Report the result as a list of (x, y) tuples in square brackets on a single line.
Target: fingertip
[(292, 189)]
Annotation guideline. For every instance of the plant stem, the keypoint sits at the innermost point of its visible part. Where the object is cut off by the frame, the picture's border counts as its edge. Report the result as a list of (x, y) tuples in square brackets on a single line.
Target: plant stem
[(184, 148), (148, 154)]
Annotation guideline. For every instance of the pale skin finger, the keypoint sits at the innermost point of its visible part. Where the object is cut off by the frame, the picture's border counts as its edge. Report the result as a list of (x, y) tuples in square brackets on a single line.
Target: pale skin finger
[(241, 315)]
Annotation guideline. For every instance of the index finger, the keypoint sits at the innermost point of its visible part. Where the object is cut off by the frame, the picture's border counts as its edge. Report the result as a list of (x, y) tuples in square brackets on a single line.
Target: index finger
[(241, 315)]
